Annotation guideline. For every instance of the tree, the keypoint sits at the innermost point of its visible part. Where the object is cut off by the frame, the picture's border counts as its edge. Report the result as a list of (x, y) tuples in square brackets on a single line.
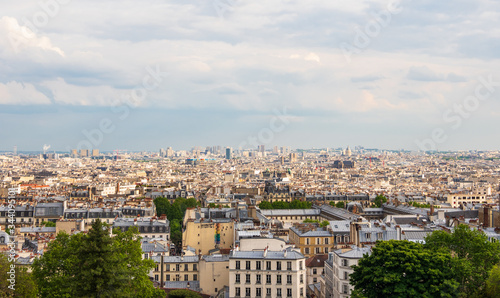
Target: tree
[(95, 265), (265, 205), (24, 284), (48, 224), (183, 294), (475, 257), (324, 223), (493, 282), (340, 205), (398, 268), (379, 200)]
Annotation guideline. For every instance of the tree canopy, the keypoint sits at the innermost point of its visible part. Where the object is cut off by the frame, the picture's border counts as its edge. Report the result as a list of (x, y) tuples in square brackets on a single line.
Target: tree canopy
[(404, 269), (379, 200), (475, 257), (175, 214), (183, 294), (24, 285), (95, 265), (295, 204)]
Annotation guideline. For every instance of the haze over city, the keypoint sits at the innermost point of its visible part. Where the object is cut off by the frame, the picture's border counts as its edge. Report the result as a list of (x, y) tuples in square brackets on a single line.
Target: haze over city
[(381, 74)]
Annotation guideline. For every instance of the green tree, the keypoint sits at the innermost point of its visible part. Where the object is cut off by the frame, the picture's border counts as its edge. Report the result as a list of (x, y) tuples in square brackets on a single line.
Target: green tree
[(493, 282), (340, 205), (475, 257), (48, 224), (324, 223), (183, 294), (95, 265), (162, 206), (24, 285), (403, 269), (265, 205), (379, 200)]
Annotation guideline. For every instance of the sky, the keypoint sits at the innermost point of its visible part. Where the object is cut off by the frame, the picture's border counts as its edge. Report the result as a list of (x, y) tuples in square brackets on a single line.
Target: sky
[(144, 75)]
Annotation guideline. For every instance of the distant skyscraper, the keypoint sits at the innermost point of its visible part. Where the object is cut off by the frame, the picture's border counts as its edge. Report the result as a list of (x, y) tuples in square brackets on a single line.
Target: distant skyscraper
[(84, 152), (95, 152), (228, 153), (74, 153), (15, 150)]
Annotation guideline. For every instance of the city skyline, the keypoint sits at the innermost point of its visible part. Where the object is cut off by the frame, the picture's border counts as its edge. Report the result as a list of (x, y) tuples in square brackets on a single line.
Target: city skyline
[(382, 74)]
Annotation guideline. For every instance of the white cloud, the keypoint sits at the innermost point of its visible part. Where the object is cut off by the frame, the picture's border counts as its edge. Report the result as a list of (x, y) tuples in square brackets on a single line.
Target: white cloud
[(16, 38), (15, 93)]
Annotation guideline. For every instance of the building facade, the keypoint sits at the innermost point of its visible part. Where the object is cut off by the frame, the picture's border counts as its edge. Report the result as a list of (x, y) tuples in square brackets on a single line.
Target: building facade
[(267, 274)]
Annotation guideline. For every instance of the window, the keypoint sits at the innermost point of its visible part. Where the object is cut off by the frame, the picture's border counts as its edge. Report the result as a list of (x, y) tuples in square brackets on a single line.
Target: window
[(300, 265), (195, 267), (268, 265), (289, 279), (156, 277), (317, 250), (326, 250), (268, 279), (167, 267), (268, 291), (288, 266), (301, 292), (186, 267), (257, 265), (289, 292), (247, 278), (315, 279), (318, 241), (278, 292), (306, 250), (168, 277), (177, 277), (177, 267), (345, 289), (247, 292), (238, 292), (247, 265), (237, 279), (327, 241), (307, 241), (156, 267), (345, 262), (315, 271), (346, 275), (368, 236), (237, 264), (278, 265), (258, 277), (302, 278), (278, 279), (195, 277), (258, 292), (186, 277)]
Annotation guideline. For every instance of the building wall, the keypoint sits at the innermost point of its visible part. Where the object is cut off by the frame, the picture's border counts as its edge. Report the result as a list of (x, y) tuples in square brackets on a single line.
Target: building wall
[(201, 236), (213, 276), (297, 285), (310, 246), (177, 271)]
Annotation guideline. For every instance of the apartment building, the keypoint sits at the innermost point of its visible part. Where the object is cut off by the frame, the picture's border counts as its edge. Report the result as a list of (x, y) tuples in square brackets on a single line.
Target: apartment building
[(311, 239), (267, 274), (175, 268), (338, 267)]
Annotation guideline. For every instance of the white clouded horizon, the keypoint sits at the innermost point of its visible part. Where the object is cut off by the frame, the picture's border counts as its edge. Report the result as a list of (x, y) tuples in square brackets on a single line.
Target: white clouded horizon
[(256, 57)]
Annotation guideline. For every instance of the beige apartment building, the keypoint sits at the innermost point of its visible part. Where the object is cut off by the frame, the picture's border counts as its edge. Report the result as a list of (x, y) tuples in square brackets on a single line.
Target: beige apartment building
[(205, 235), (267, 274), (214, 273)]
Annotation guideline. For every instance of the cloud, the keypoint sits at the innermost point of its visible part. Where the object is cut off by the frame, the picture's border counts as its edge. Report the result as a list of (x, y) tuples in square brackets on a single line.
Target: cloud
[(15, 38), (423, 73), (16, 93)]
